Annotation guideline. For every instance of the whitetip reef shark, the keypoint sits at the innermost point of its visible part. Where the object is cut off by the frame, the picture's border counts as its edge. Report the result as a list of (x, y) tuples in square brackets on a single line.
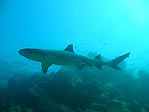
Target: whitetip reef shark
[(67, 57)]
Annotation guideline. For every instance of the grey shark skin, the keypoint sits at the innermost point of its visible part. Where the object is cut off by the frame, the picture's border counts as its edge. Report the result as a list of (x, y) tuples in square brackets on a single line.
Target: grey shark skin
[(67, 57)]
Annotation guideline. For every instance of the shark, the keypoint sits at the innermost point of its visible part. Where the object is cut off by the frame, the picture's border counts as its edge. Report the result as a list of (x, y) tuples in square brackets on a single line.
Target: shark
[(68, 57)]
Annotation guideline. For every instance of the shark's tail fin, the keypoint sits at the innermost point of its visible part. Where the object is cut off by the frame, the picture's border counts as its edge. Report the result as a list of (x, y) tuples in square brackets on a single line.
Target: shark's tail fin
[(118, 60)]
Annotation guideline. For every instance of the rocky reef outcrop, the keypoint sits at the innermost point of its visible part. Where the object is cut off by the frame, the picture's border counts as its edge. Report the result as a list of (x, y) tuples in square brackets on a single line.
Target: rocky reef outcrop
[(72, 90)]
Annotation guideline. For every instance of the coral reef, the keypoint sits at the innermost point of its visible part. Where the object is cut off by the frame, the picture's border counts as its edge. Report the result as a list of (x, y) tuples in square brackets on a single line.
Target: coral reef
[(72, 90)]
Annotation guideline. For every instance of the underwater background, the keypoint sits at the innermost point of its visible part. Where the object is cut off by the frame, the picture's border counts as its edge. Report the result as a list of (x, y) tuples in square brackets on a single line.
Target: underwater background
[(110, 28)]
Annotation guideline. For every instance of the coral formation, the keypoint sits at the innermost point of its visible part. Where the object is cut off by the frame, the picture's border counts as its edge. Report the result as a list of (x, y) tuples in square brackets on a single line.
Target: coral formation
[(71, 90)]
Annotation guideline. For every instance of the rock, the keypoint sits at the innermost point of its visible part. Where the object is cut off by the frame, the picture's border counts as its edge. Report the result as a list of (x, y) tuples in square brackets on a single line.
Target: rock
[(27, 110), (134, 106), (99, 107), (2, 108), (68, 76), (14, 109), (117, 105)]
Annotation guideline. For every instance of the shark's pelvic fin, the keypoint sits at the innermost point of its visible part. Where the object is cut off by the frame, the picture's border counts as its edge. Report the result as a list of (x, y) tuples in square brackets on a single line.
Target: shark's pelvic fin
[(69, 48), (118, 60), (45, 67)]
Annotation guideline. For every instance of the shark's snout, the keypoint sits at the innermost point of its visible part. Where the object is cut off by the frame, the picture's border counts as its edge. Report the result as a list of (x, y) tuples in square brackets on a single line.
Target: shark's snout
[(20, 51), (23, 51)]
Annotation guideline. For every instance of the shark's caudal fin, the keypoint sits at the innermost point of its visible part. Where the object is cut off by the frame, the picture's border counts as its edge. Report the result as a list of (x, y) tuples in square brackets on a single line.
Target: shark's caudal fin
[(118, 60)]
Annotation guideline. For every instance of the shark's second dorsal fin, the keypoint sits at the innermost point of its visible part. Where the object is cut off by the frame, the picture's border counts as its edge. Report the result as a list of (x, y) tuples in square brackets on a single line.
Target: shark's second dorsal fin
[(69, 48), (98, 57)]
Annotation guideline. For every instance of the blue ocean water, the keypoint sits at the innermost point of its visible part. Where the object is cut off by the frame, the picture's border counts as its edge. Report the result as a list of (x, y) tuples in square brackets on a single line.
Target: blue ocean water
[(109, 27)]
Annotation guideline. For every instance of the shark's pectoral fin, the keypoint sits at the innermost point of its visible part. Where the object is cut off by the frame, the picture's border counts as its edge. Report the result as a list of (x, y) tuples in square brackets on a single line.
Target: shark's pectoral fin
[(45, 67)]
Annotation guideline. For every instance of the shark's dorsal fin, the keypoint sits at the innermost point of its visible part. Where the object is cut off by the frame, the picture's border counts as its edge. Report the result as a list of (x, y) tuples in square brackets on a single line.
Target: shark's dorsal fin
[(69, 48), (98, 57), (45, 67)]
